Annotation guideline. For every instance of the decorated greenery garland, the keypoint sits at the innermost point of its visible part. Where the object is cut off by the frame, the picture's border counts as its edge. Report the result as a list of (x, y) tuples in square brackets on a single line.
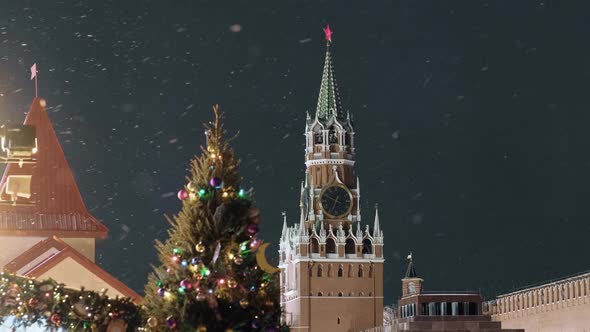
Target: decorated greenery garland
[(50, 304)]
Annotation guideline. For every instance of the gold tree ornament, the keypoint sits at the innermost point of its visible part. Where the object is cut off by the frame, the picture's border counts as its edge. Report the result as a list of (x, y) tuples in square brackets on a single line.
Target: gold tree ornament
[(232, 283), (191, 186), (244, 303), (152, 322)]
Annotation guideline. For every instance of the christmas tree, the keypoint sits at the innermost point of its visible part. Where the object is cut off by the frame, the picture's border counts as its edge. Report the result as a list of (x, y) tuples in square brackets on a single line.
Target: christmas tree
[(213, 274)]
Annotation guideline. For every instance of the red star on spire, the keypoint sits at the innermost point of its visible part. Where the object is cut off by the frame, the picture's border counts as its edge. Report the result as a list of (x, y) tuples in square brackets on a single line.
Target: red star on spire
[(328, 33)]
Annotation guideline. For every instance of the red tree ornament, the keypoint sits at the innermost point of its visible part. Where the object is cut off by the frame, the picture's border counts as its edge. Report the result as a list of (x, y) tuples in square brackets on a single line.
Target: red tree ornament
[(182, 194), (55, 319)]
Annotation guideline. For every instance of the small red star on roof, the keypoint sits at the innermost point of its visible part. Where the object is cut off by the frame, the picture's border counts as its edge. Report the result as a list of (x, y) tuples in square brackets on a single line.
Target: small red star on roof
[(328, 33)]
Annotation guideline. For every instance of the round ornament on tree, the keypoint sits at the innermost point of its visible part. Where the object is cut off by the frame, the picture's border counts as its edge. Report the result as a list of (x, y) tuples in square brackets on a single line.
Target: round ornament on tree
[(200, 247), (185, 284), (152, 322), (232, 283), (55, 319), (252, 229), (216, 182), (171, 322), (32, 302), (254, 244), (182, 194), (238, 260)]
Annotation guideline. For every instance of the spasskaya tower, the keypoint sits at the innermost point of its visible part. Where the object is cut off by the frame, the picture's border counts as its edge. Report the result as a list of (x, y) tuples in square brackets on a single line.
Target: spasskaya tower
[(331, 267)]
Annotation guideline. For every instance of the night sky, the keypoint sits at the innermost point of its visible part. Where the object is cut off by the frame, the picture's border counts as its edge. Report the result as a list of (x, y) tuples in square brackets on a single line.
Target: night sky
[(471, 120)]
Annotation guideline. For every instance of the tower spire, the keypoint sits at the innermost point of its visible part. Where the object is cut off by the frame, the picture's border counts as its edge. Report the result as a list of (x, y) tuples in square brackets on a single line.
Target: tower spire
[(411, 271), (328, 100), (284, 232), (376, 226)]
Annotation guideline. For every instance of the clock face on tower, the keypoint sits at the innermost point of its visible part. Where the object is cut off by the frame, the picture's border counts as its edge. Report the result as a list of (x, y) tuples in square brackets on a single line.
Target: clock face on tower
[(336, 201)]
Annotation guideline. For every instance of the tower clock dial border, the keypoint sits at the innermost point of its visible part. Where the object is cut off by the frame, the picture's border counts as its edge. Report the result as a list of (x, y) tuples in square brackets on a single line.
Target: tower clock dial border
[(328, 197)]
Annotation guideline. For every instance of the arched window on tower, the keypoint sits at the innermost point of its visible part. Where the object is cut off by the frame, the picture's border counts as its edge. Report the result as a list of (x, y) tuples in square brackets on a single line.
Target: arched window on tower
[(340, 270), (350, 273), (330, 273), (320, 270), (330, 246), (349, 247), (347, 139), (371, 271), (361, 272), (367, 246), (315, 246)]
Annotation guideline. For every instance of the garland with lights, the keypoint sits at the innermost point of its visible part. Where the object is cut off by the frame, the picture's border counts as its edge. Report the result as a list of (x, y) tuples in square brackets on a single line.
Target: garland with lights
[(53, 305), (211, 277)]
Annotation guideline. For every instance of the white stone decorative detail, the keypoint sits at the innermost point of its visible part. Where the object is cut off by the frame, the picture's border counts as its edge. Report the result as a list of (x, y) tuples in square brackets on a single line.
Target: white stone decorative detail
[(340, 234), (359, 232), (322, 235), (329, 162)]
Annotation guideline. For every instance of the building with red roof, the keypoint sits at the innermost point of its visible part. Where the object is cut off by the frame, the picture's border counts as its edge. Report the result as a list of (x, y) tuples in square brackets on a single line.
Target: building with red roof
[(46, 230)]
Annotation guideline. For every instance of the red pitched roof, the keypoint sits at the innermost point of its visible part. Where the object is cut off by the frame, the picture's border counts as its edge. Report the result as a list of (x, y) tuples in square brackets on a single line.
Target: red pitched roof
[(63, 251), (58, 206)]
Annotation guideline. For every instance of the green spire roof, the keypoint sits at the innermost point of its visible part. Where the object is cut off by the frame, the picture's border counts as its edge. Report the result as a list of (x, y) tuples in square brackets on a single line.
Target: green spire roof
[(328, 100)]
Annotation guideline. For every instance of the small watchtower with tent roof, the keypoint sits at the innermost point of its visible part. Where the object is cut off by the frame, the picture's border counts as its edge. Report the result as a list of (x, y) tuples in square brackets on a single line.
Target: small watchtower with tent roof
[(46, 231)]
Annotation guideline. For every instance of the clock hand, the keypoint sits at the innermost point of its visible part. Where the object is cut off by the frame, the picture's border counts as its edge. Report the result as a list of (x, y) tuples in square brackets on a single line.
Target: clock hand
[(330, 198), (335, 202)]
